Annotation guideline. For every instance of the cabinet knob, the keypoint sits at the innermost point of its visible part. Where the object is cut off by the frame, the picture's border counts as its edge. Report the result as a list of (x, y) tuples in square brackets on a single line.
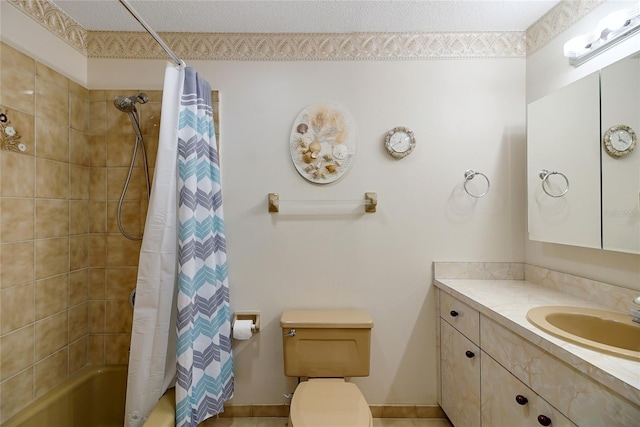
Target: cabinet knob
[(521, 400), (469, 354), (544, 420), (453, 313)]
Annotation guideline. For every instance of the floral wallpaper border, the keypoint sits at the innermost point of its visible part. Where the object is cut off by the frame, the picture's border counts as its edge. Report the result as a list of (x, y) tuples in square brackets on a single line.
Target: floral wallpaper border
[(315, 46)]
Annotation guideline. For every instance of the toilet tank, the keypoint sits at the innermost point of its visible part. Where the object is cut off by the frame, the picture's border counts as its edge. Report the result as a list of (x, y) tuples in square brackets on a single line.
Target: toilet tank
[(326, 343)]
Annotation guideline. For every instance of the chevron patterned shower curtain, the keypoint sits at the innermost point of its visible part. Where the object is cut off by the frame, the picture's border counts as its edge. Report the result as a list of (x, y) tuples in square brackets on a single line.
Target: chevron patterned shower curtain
[(205, 363)]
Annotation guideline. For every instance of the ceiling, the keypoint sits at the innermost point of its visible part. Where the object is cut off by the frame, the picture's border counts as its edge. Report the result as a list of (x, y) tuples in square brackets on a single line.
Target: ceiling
[(309, 16)]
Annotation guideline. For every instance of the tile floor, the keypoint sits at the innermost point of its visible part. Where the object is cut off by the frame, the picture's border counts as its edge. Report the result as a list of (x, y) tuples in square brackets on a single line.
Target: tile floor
[(282, 422)]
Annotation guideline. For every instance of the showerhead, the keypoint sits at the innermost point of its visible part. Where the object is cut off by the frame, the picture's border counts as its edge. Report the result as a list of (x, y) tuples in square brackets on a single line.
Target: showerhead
[(127, 104)]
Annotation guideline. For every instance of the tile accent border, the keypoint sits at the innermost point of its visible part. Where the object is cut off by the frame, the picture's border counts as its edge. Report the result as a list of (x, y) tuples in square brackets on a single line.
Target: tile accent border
[(557, 20), (306, 47), (55, 20), (313, 46)]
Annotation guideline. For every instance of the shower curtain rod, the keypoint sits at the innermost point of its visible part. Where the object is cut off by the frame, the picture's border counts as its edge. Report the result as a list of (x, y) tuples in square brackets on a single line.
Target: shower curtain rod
[(155, 35)]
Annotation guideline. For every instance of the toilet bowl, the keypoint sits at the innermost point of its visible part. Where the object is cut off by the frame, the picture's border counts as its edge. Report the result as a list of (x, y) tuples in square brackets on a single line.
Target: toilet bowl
[(327, 346), (329, 403)]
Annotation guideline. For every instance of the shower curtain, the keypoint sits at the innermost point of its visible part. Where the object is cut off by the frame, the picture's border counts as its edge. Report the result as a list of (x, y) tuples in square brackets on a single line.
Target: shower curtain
[(182, 268)]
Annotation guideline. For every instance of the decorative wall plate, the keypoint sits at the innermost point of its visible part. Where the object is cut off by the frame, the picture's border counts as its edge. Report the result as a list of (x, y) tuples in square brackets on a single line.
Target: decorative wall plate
[(322, 142), (619, 140)]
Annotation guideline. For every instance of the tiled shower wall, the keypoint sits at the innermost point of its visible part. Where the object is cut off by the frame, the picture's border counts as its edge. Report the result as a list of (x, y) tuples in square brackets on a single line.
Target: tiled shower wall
[(65, 270)]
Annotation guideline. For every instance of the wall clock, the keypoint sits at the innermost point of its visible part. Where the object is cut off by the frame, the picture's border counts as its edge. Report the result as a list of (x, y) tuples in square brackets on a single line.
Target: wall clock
[(399, 142), (619, 140)]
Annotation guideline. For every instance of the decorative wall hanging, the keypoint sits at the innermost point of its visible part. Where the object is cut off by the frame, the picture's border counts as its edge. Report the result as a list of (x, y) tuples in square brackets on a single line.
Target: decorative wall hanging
[(323, 143), (400, 142), (9, 136), (619, 140)]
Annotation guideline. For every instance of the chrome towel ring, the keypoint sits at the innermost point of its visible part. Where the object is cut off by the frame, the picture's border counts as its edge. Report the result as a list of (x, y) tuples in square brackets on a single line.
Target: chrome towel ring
[(468, 176), (544, 176)]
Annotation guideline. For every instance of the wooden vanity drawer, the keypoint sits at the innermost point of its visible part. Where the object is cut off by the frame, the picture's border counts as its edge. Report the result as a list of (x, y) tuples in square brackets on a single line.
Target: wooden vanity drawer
[(462, 317), (582, 400)]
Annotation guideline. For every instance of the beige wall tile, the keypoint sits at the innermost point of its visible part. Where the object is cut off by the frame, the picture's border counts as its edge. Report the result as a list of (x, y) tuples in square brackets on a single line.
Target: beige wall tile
[(17, 263), (79, 91), (116, 178), (97, 95), (270, 410), (52, 76), (98, 217), (51, 296), (17, 392), (117, 349), (78, 355), (120, 151), (117, 121), (52, 257), (78, 321), (150, 117), (17, 58), (129, 217), (80, 148), (78, 287), (98, 117), (16, 352), (17, 174), (52, 334), (96, 316), (78, 252), (119, 316), (97, 283), (78, 113), (97, 250), (98, 184), (98, 150), (52, 218), (50, 372), (17, 88), (120, 282), (95, 350), (121, 251), (52, 179), (16, 219), (79, 182), (52, 140), (79, 216), (25, 126), (17, 308), (52, 102)]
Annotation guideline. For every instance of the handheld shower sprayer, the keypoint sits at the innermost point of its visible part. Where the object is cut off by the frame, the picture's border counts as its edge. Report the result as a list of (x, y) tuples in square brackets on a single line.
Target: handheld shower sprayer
[(127, 104)]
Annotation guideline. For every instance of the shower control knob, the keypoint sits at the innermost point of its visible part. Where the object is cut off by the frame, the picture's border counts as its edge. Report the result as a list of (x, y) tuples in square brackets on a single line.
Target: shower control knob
[(521, 400), (453, 313), (544, 420), (469, 354)]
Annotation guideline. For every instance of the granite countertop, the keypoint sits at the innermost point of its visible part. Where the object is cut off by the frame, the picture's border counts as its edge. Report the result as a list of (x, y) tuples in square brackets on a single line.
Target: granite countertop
[(507, 302)]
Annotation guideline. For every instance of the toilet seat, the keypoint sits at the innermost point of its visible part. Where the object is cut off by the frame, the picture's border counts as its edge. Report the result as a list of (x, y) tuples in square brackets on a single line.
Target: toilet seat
[(329, 403)]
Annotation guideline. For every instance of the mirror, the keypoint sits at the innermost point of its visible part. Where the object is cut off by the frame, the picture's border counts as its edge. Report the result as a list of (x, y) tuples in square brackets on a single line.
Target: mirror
[(578, 194), (620, 105)]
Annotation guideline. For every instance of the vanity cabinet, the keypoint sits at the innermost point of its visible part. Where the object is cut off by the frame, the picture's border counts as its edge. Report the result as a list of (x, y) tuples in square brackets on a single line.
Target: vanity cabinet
[(483, 390), (507, 401)]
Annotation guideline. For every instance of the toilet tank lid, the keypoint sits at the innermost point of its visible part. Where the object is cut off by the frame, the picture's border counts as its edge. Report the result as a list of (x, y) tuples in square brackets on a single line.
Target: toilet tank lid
[(326, 319)]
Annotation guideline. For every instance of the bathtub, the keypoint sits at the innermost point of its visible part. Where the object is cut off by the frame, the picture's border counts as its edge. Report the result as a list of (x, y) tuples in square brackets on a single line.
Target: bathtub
[(92, 397)]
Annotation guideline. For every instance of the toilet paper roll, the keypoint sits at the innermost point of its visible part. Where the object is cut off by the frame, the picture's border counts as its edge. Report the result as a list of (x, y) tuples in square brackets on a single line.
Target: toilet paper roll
[(242, 329)]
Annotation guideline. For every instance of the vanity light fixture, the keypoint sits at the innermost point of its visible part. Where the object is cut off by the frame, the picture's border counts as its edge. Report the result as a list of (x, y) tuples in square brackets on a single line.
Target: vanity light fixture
[(613, 29)]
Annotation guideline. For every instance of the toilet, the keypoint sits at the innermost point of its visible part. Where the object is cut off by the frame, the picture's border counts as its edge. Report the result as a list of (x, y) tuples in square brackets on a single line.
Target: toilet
[(327, 346)]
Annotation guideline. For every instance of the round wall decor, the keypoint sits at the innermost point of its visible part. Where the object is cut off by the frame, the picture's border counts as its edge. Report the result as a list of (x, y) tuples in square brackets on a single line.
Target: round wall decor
[(322, 142)]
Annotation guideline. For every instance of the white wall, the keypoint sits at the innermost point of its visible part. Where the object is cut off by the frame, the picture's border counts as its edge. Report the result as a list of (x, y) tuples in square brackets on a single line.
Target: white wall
[(466, 114), (548, 70)]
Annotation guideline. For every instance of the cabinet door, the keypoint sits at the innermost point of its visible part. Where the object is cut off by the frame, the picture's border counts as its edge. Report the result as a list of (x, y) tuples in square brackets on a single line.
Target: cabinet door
[(460, 377), (506, 401), (563, 131)]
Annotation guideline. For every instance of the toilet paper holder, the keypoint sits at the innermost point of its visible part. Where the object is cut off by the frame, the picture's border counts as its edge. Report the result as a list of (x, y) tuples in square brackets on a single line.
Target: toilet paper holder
[(254, 316)]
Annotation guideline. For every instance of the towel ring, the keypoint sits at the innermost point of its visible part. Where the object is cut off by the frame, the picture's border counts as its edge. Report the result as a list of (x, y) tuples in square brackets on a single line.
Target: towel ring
[(544, 176), (468, 176)]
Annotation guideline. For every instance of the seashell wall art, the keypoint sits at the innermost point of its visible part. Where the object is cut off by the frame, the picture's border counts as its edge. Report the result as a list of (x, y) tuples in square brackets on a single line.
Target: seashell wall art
[(323, 143)]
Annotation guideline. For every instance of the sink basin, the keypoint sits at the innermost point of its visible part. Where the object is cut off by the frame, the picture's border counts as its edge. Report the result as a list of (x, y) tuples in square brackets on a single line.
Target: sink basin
[(606, 331)]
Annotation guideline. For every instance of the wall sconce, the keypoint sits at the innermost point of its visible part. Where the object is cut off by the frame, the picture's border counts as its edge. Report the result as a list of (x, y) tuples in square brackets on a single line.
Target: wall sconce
[(611, 30)]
